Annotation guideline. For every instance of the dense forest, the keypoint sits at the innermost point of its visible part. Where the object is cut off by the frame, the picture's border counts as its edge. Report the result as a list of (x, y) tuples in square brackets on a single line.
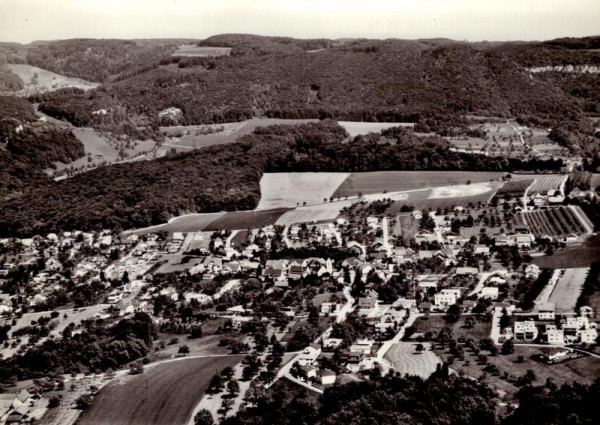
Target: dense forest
[(96, 349), (28, 147), (439, 400), (353, 79), (226, 177)]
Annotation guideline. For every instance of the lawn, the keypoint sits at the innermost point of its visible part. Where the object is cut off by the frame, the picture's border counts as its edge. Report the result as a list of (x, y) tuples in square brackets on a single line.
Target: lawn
[(292, 189), (163, 394), (407, 361), (395, 181)]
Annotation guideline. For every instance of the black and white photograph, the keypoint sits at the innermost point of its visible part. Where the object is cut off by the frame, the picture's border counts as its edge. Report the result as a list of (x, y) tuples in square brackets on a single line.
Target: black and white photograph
[(299, 212)]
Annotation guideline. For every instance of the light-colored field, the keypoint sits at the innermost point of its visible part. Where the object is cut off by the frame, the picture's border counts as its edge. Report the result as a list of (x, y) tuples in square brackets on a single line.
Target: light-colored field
[(461, 190), (163, 394), (405, 359), (567, 289), (395, 181), (323, 212), (291, 189), (184, 223), (98, 149), (191, 50), (543, 184), (355, 128), (45, 80)]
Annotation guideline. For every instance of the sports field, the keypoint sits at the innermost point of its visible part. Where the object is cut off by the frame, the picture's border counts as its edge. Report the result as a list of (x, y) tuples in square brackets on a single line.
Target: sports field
[(567, 289), (163, 394)]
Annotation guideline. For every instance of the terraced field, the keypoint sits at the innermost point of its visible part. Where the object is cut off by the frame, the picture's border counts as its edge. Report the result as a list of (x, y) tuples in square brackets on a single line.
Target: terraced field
[(555, 222)]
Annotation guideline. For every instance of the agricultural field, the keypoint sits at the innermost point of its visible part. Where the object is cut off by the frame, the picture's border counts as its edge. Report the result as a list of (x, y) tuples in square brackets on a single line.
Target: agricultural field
[(191, 50), (408, 361), (355, 128), (567, 289), (184, 223), (466, 142), (100, 149), (292, 189), (314, 213), (163, 394), (395, 181), (515, 188), (580, 255), (38, 80), (555, 222), (240, 220), (422, 200), (544, 183)]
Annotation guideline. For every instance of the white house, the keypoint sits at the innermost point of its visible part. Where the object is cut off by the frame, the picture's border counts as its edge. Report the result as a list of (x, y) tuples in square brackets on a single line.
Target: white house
[(489, 292), (532, 271), (546, 311), (525, 330)]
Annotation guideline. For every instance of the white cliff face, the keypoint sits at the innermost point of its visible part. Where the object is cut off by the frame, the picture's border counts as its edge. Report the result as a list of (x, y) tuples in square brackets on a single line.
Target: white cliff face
[(579, 69)]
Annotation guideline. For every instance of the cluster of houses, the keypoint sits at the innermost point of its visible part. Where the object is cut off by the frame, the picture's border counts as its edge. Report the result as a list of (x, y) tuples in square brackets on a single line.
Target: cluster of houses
[(580, 329)]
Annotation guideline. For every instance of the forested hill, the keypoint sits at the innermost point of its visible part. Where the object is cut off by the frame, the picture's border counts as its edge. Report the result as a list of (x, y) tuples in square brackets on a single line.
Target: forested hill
[(353, 79), (226, 177), (363, 80), (28, 147)]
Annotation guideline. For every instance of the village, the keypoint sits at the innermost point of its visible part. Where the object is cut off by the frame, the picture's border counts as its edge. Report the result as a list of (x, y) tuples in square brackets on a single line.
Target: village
[(344, 292)]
